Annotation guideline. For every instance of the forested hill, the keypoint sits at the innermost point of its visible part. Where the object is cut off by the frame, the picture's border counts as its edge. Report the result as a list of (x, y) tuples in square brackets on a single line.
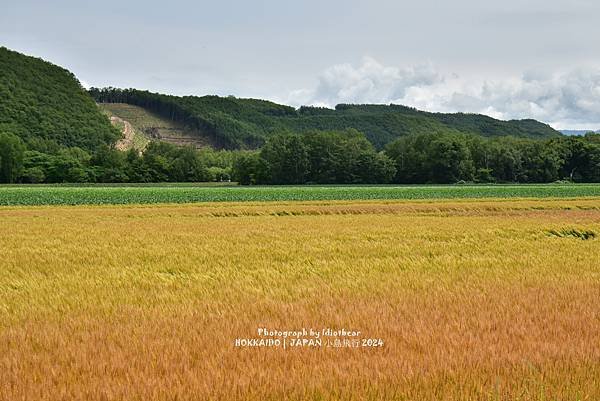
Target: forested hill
[(46, 106), (246, 123)]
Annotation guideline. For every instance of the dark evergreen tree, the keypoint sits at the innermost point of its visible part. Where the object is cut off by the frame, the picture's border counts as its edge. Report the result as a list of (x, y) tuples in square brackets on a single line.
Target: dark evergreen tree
[(12, 152)]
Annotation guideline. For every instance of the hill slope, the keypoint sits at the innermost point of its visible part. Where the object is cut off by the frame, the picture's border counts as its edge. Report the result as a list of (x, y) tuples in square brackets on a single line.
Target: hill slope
[(245, 123), (149, 126), (46, 106)]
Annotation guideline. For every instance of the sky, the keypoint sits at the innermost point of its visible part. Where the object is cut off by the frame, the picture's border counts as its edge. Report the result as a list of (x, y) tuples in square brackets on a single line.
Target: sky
[(509, 59)]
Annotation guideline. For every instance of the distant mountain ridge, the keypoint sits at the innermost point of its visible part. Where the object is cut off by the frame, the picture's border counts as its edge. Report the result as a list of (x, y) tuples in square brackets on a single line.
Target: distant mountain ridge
[(233, 123), (578, 131), (46, 106)]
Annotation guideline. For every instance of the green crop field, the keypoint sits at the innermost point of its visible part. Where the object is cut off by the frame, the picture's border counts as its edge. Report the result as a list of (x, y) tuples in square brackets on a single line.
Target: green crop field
[(145, 194)]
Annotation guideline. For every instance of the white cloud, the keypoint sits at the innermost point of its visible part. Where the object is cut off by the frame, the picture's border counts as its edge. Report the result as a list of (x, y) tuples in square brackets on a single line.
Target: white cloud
[(562, 99), (371, 82)]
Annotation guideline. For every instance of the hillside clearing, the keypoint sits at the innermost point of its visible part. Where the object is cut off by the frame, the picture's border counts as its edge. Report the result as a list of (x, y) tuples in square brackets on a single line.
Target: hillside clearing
[(153, 127), (131, 138)]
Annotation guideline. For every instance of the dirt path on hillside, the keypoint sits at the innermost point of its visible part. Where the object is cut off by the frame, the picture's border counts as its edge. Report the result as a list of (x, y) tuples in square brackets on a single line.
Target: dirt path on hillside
[(126, 142)]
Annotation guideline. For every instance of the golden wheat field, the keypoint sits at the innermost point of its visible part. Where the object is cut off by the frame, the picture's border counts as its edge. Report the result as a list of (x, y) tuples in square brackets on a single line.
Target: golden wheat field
[(472, 300)]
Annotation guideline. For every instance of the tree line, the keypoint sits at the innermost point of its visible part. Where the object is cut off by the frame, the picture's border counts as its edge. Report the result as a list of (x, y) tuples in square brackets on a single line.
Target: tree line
[(160, 162), (451, 158), (316, 157)]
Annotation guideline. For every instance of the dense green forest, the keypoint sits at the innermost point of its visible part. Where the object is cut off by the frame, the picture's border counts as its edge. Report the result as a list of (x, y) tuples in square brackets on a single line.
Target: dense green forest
[(51, 131), (421, 159), (234, 123), (448, 158), (47, 108), (319, 157)]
